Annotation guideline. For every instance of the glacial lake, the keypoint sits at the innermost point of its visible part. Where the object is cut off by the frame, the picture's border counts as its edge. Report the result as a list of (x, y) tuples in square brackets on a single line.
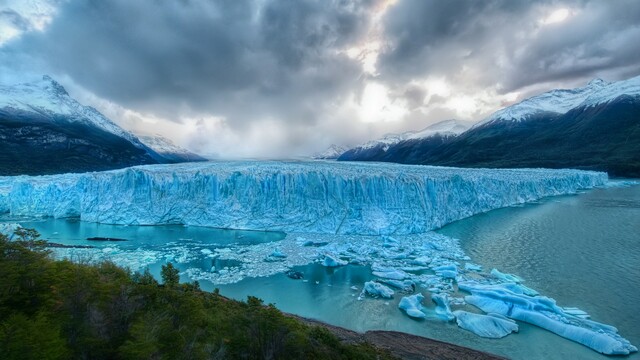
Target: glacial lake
[(582, 250)]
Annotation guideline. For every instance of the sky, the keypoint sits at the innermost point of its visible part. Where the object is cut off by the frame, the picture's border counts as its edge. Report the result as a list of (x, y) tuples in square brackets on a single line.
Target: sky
[(274, 79)]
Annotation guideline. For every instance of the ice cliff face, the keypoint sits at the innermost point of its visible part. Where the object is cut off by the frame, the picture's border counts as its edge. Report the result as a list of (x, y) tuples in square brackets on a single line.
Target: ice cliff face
[(343, 198)]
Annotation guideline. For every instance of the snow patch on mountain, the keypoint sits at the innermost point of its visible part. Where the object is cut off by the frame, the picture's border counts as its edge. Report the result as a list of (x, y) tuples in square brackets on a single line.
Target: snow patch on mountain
[(612, 91)]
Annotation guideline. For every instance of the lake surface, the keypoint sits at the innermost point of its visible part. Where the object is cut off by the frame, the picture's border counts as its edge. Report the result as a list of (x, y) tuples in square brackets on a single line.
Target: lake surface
[(581, 250)]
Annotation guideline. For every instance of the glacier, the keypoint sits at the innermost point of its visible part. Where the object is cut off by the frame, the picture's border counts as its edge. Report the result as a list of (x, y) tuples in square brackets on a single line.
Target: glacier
[(311, 197), (333, 215)]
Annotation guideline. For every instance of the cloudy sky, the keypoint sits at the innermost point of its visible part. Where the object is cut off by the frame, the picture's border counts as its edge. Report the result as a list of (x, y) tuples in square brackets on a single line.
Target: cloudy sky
[(267, 78)]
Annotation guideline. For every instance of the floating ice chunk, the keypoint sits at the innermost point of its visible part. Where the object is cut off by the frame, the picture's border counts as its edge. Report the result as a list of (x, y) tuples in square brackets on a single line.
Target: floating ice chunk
[(278, 254), (543, 312), (412, 305), (403, 285), (391, 274), (448, 271), (576, 312), (442, 306), (206, 252), (420, 261), (332, 261), (472, 267), (377, 290), (505, 277), (492, 326)]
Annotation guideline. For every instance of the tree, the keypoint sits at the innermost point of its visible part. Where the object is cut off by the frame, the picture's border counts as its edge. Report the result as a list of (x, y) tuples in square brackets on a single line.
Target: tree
[(170, 275)]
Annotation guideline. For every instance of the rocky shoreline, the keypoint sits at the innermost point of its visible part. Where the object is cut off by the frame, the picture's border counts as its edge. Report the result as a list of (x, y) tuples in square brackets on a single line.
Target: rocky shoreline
[(402, 345)]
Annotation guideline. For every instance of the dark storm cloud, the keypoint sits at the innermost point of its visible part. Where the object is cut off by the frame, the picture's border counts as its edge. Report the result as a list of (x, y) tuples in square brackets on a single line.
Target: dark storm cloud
[(489, 42), (205, 55)]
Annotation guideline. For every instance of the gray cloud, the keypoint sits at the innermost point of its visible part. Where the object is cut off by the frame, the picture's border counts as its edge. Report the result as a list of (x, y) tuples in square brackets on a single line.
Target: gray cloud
[(503, 42), (277, 70)]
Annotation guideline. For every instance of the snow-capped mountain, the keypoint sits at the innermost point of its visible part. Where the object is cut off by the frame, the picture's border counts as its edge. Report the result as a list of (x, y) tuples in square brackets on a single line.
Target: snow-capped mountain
[(168, 149), (332, 152), (560, 101), (44, 130), (557, 101), (374, 149), (592, 127), (444, 128), (48, 98)]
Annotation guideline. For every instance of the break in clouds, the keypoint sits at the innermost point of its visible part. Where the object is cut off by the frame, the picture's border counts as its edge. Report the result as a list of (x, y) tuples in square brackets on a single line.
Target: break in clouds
[(270, 78)]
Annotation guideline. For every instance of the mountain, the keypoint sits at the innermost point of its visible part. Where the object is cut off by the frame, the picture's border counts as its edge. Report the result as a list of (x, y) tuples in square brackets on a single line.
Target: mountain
[(43, 130), (168, 150), (434, 134), (595, 127), (333, 152)]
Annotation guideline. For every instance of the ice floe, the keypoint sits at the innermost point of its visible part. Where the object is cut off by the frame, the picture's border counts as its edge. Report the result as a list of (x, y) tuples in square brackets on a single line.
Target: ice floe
[(492, 326)]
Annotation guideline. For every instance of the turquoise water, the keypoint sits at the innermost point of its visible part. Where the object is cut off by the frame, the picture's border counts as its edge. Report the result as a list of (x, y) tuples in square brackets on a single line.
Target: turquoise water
[(581, 250)]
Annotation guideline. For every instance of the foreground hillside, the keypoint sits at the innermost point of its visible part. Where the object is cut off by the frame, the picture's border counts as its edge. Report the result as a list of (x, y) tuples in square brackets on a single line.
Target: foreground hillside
[(59, 309)]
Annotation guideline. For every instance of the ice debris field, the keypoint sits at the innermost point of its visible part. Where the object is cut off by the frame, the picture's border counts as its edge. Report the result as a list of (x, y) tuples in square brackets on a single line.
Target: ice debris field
[(335, 214)]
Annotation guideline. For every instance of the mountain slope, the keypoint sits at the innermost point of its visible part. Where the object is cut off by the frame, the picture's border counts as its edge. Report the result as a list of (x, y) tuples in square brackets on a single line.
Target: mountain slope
[(43, 131), (433, 134), (595, 127), (332, 152), (168, 150)]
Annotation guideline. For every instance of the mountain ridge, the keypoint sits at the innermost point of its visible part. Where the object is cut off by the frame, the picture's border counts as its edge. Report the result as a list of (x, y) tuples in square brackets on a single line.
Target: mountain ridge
[(596, 127)]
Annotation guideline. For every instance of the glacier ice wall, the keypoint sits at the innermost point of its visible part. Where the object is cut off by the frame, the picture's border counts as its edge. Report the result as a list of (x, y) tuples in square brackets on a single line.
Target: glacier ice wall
[(318, 197)]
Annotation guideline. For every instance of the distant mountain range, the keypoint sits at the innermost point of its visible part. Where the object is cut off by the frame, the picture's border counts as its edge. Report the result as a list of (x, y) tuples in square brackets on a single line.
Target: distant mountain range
[(593, 127), (332, 152), (376, 150), (43, 130), (168, 150)]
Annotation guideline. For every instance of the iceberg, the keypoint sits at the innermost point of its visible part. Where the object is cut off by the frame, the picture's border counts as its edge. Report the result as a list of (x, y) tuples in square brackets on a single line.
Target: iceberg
[(412, 305), (332, 261), (304, 197), (443, 310), (377, 290), (510, 300), (491, 326)]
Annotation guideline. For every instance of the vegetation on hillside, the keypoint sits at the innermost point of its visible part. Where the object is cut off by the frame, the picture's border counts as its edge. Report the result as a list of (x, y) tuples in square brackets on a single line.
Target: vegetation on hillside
[(59, 309)]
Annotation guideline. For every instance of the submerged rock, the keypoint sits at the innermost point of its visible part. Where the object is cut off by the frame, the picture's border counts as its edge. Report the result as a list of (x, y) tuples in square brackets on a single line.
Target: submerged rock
[(296, 275)]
